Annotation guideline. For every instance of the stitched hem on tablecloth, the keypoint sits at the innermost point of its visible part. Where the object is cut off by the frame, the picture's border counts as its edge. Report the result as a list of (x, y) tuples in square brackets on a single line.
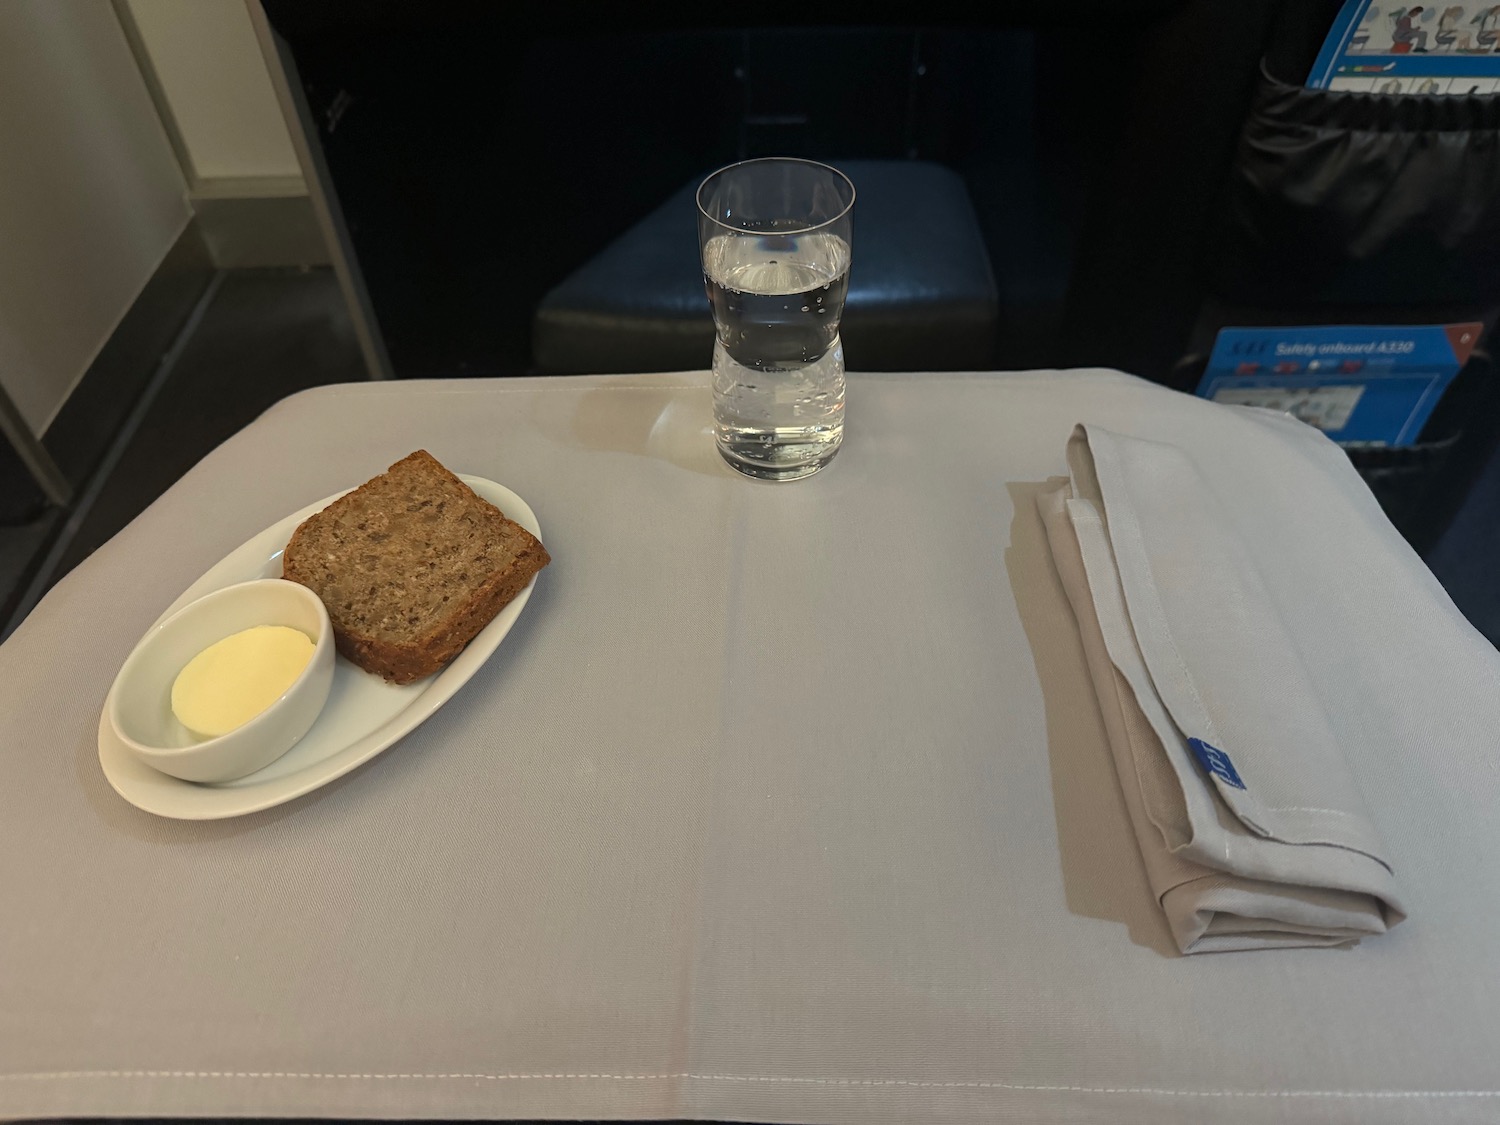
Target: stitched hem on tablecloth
[(686, 1076)]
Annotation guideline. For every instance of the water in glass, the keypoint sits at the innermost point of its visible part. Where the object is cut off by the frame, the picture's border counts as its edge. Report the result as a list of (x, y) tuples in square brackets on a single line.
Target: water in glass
[(778, 367)]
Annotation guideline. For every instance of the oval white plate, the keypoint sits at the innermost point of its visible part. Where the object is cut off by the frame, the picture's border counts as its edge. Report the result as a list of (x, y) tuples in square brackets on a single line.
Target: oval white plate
[(364, 714)]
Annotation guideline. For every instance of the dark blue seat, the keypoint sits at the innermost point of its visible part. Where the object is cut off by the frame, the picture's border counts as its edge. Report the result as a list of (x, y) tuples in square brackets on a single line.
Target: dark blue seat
[(921, 293)]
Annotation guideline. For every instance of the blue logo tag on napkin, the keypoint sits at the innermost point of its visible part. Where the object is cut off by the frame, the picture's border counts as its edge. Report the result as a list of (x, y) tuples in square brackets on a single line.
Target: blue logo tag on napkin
[(1216, 762)]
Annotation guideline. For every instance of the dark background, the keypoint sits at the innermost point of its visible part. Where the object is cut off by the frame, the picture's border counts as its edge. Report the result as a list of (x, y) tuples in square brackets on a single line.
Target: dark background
[(482, 152)]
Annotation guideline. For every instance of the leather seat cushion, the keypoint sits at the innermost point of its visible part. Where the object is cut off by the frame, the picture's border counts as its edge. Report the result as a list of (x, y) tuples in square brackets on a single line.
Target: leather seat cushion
[(921, 292)]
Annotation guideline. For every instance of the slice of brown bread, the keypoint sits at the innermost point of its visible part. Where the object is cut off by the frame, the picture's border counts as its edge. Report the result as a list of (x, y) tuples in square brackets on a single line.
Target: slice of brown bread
[(411, 565)]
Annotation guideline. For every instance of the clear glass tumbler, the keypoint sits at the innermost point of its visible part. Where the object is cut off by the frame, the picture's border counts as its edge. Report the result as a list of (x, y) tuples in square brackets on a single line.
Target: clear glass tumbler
[(774, 236)]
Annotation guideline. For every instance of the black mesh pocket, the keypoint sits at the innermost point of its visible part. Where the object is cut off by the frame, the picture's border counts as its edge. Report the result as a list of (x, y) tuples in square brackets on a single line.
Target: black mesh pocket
[(1343, 197)]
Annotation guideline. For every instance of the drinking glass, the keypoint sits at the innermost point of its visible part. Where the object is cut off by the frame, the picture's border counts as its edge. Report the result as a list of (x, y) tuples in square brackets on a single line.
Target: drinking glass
[(774, 235)]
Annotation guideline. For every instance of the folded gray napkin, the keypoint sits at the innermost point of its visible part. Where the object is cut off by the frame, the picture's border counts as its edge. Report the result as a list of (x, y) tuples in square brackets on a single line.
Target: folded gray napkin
[(1251, 825)]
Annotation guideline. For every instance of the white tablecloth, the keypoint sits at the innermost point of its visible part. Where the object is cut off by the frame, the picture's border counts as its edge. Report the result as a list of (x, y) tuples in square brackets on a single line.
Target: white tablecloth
[(781, 802)]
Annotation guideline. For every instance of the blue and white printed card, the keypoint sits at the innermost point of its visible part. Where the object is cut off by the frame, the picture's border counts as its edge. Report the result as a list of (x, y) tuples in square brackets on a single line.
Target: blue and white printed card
[(1358, 383)]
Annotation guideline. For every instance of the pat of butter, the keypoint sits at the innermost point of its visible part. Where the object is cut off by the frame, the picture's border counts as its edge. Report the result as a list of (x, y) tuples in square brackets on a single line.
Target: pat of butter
[(233, 680)]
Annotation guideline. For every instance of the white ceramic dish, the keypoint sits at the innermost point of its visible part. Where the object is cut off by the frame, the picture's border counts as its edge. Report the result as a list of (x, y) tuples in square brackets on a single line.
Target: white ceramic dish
[(140, 700), (363, 716)]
